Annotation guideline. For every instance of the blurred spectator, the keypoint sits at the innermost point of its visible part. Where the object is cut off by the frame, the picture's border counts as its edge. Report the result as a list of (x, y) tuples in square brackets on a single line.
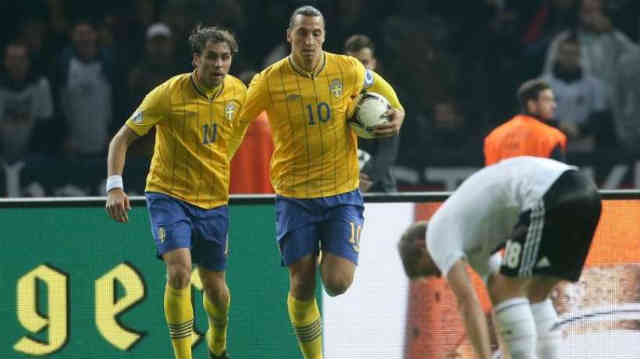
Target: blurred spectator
[(157, 66), (376, 175), (551, 18), (527, 134), (626, 102), (34, 33), (25, 103), (83, 81), (583, 101), (492, 65), (182, 16), (450, 138), (601, 44), (250, 164)]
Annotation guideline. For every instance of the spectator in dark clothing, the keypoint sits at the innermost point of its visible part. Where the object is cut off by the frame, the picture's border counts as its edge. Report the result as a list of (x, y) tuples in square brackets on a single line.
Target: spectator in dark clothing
[(83, 83), (157, 66), (583, 111), (25, 104)]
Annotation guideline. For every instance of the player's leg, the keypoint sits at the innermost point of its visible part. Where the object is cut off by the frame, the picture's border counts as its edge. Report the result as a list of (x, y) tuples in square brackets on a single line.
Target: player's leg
[(340, 239), (514, 319), (549, 341), (210, 251), (299, 249), (511, 311), (177, 301), (570, 223), (171, 231), (216, 301), (297, 236)]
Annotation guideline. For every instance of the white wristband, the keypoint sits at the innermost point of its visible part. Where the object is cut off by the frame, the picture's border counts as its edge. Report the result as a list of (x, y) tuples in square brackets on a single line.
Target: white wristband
[(114, 181)]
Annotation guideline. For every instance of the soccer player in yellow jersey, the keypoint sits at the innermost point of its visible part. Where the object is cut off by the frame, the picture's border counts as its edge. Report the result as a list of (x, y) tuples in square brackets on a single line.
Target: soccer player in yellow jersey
[(188, 182), (314, 167)]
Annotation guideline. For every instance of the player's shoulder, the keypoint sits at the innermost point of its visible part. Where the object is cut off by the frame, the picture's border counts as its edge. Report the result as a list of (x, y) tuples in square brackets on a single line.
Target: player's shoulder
[(175, 83), (346, 59), (235, 83), (275, 69)]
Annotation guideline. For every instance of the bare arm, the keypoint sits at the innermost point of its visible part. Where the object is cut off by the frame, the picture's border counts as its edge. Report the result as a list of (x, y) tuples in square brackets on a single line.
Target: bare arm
[(117, 200), (118, 150), (470, 309)]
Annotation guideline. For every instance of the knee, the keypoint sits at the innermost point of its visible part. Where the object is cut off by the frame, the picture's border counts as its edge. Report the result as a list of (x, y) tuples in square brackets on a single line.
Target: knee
[(302, 286), (179, 275), (216, 290), (501, 287), (337, 283)]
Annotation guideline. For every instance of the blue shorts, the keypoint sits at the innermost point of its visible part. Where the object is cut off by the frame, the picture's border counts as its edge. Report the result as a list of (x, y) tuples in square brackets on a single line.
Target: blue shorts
[(303, 226), (177, 224)]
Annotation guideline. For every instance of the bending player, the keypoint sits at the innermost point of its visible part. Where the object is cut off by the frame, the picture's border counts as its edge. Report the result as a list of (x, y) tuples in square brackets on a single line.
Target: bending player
[(545, 212)]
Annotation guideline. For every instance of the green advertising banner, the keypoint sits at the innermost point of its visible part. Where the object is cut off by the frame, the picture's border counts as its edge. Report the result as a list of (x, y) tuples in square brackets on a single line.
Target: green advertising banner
[(76, 284)]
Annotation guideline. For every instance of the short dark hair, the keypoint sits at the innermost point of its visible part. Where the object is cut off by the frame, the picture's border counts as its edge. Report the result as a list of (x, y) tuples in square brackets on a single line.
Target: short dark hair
[(200, 35), (306, 10), (530, 90), (358, 42)]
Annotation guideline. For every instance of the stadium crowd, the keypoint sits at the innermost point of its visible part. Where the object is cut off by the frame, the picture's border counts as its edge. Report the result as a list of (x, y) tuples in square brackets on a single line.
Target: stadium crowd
[(73, 71)]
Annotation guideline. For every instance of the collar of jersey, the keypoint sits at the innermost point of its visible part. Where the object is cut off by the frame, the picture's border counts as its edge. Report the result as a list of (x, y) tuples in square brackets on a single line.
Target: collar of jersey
[(210, 94), (304, 73)]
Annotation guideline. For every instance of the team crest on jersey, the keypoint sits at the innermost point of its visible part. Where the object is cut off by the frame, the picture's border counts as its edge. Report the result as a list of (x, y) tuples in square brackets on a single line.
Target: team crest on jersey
[(230, 110), (336, 88), (137, 117), (162, 234)]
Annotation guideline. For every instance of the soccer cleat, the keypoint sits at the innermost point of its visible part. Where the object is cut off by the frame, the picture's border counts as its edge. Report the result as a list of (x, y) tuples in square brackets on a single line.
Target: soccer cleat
[(223, 355)]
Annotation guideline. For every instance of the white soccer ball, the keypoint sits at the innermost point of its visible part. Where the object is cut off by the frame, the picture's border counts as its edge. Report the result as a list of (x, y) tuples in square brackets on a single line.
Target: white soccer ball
[(369, 114)]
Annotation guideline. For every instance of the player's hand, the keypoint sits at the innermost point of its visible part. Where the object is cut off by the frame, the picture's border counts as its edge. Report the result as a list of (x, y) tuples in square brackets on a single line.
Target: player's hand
[(365, 182), (391, 128), (118, 205)]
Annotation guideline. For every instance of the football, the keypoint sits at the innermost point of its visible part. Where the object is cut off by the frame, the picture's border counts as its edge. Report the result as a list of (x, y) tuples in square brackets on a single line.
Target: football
[(369, 113)]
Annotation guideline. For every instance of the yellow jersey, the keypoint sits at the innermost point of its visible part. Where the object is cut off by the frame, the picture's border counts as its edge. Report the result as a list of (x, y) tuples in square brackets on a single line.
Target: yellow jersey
[(315, 150), (193, 128)]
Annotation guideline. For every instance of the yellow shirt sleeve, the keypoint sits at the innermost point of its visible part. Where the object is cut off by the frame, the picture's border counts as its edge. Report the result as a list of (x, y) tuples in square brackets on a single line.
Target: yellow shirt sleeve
[(255, 103), (381, 86), (154, 108)]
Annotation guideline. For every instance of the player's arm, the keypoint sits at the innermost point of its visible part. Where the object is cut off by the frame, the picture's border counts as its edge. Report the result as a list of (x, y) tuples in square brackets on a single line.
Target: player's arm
[(117, 201), (154, 107), (470, 309), (254, 104), (396, 113)]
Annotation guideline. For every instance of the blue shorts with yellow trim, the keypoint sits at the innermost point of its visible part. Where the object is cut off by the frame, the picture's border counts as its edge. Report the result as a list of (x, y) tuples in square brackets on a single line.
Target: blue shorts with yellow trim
[(177, 224), (333, 224)]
